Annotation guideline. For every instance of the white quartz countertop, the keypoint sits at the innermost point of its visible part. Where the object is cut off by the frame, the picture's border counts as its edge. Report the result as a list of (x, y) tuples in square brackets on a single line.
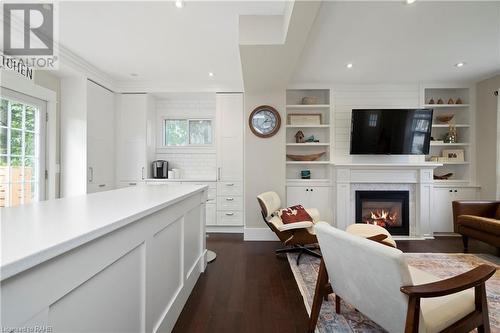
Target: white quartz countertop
[(37, 232)]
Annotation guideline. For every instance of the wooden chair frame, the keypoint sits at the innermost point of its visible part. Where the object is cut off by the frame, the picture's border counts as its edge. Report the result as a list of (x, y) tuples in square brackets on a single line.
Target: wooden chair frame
[(474, 278)]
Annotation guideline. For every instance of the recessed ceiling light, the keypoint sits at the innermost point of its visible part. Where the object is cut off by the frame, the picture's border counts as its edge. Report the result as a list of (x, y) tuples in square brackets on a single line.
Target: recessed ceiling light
[(211, 74), (349, 65), (409, 2), (134, 74), (179, 3), (460, 64)]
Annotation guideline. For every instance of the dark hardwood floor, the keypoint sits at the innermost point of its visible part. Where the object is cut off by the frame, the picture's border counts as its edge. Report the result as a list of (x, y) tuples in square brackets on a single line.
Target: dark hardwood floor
[(250, 289)]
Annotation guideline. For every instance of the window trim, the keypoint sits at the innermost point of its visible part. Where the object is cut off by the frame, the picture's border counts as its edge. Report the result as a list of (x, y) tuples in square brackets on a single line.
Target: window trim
[(188, 145)]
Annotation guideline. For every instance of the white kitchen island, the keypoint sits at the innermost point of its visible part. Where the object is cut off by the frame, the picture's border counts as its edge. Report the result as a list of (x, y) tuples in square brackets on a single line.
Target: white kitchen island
[(118, 261)]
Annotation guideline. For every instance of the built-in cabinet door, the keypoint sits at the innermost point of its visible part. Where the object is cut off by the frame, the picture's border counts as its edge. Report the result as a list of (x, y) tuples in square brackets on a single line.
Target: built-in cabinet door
[(442, 214), (310, 197), (135, 114), (229, 129), (100, 138)]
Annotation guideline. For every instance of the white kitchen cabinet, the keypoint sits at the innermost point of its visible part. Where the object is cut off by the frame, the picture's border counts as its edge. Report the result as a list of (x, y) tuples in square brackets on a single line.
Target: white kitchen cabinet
[(442, 213), (229, 129), (87, 137), (310, 197), (135, 138), (229, 138), (100, 138)]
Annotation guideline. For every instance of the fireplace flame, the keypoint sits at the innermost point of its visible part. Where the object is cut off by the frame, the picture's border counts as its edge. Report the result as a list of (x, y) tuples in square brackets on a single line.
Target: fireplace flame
[(383, 218)]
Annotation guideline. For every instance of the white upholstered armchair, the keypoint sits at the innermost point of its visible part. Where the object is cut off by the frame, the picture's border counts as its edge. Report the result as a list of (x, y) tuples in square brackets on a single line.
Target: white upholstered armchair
[(377, 281)]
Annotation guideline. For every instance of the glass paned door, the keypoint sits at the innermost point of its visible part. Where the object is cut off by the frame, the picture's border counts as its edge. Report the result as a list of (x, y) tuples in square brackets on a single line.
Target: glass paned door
[(22, 149)]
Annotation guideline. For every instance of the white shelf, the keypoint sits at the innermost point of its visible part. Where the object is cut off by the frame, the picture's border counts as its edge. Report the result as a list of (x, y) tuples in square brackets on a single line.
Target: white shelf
[(455, 163), (308, 126), (434, 144), (446, 126), (308, 106), (446, 106), (308, 144), (308, 162), (314, 180), (450, 181)]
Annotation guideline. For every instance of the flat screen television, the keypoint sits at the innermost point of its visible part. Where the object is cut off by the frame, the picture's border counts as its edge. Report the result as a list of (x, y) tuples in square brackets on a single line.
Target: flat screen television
[(391, 131)]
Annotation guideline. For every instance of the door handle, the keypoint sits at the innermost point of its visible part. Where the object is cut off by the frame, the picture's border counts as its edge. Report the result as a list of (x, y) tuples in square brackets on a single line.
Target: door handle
[(132, 184), (231, 184), (102, 185), (229, 214), (142, 173), (91, 174), (229, 199), (218, 173)]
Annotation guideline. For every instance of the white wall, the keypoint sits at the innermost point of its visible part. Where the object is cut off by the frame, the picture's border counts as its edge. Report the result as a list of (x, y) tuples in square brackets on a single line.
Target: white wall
[(195, 163), (346, 98), (264, 158), (487, 138)]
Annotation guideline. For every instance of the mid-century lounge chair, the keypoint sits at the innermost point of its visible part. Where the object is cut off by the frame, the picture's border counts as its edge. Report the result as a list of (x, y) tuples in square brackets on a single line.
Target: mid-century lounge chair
[(297, 237), (376, 280)]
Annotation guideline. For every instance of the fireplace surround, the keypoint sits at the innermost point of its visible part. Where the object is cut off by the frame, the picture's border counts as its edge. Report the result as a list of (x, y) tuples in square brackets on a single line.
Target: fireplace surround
[(388, 209)]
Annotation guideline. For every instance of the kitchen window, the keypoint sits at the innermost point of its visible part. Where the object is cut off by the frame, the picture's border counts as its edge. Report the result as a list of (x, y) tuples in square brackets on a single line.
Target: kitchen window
[(188, 132), (22, 143)]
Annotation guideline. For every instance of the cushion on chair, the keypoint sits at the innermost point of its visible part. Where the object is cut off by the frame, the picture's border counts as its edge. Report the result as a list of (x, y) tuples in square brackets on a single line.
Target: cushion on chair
[(484, 224), (271, 201), (437, 313), (278, 224), (369, 230), (294, 214)]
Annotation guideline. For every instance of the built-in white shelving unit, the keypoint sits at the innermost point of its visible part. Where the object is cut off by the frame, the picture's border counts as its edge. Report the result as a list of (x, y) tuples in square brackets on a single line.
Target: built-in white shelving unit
[(320, 99), (463, 119)]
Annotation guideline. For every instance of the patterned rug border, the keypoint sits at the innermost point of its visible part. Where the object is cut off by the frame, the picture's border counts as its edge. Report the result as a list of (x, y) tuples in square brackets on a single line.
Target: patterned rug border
[(302, 285)]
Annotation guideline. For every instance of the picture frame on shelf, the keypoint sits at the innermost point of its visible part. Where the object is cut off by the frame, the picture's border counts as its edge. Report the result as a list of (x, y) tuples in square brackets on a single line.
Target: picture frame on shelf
[(453, 155), (305, 119)]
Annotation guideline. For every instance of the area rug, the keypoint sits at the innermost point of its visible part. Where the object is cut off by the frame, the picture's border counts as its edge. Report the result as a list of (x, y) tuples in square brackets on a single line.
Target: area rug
[(439, 264)]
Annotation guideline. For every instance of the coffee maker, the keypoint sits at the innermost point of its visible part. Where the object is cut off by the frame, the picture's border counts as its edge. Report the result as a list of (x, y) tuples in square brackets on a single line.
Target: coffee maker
[(160, 169)]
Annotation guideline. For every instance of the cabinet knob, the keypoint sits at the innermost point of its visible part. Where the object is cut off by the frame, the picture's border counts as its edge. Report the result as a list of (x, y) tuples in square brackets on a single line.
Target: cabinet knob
[(451, 191), (307, 190), (456, 191), (311, 190)]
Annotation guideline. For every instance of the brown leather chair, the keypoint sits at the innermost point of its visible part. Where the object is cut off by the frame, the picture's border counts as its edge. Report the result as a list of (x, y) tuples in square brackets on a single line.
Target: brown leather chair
[(477, 219)]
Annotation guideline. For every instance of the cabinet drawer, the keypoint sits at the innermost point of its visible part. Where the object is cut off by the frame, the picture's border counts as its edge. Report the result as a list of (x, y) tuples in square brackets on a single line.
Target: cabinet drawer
[(211, 185), (229, 203), (229, 217), (229, 188), (211, 214)]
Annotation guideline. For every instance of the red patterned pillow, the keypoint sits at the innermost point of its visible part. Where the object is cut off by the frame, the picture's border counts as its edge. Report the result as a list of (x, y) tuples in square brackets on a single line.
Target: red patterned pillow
[(295, 214)]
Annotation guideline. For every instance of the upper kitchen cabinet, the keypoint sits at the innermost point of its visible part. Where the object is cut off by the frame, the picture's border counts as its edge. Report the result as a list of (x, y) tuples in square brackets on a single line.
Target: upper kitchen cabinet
[(135, 138), (87, 137), (229, 115)]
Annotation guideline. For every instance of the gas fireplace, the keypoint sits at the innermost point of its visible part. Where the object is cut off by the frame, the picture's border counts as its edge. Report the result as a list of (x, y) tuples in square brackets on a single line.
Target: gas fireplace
[(388, 209)]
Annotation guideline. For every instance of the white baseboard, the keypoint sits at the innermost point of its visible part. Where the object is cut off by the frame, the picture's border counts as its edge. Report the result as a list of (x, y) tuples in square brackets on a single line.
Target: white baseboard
[(259, 234), (224, 229)]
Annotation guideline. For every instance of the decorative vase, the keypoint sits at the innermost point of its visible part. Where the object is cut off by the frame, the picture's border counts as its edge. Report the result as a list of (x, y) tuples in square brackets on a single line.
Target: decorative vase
[(440, 101), (451, 136), (431, 101), (458, 101), (450, 101)]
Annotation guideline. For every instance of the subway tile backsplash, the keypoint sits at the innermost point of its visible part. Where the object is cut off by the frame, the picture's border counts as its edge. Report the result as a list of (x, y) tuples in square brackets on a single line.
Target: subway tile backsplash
[(193, 166)]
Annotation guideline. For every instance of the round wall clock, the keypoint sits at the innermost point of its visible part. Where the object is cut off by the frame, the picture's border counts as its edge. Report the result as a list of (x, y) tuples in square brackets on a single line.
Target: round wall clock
[(264, 121)]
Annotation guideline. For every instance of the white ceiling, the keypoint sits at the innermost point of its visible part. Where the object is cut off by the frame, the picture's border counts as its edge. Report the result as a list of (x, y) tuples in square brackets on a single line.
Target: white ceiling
[(391, 42), (160, 42)]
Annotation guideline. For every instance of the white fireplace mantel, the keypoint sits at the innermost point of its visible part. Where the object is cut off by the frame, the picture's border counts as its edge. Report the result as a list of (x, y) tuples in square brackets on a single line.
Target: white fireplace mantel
[(416, 177)]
